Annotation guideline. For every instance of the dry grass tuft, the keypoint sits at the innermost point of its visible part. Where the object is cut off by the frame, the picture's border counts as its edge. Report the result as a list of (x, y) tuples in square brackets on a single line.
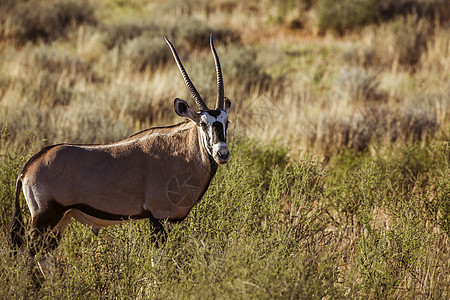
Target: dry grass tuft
[(400, 41)]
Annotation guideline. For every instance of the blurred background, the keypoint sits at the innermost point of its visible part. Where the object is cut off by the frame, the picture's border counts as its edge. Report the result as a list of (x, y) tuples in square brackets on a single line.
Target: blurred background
[(319, 75)]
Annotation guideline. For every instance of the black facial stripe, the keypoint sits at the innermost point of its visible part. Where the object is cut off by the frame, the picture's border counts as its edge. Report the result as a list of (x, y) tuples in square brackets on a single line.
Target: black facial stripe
[(217, 132), (214, 113)]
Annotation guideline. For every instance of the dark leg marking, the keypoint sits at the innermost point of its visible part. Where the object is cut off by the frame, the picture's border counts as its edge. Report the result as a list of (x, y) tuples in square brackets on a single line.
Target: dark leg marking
[(42, 237), (46, 220), (100, 214), (159, 234)]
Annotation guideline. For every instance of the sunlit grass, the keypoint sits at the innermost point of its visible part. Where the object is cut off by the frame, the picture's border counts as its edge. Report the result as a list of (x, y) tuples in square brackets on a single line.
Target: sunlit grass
[(272, 226)]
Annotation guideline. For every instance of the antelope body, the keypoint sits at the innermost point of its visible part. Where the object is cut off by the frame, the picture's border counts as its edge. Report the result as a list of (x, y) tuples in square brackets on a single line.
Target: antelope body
[(159, 173)]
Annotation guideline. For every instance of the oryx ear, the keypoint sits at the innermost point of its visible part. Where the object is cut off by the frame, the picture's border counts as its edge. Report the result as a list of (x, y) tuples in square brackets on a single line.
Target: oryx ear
[(227, 104), (183, 110)]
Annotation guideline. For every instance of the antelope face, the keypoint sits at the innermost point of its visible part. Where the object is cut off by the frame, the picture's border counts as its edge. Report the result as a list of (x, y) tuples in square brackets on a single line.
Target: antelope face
[(213, 126), (211, 123)]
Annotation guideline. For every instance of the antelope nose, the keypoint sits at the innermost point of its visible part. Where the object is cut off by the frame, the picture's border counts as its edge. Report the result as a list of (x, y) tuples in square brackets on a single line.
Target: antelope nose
[(224, 153)]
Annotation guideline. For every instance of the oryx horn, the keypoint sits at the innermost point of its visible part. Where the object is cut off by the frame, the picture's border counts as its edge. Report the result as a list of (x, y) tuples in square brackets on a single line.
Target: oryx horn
[(198, 99), (220, 92)]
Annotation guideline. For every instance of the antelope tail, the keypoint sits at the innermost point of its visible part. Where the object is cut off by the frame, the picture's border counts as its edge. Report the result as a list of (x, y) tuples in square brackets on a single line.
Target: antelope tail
[(17, 230)]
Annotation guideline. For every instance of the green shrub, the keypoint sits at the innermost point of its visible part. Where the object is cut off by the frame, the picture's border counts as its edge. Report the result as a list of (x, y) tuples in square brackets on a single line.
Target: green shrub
[(342, 16), (119, 33), (357, 84), (388, 256), (55, 61), (146, 51), (269, 226), (243, 67), (11, 162), (195, 34), (286, 7), (408, 37), (54, 73), (391, 179), (143, 45), (437, 10), (362, 115), (48, 20), (441, 199), (402, 40)]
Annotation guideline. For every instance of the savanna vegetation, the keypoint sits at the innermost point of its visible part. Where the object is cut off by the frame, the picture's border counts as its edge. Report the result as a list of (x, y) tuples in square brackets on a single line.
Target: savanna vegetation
[(339, 182)]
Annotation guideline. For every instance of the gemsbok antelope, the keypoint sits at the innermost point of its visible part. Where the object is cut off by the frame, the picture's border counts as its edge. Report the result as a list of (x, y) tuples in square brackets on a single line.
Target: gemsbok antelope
[(159, 173)]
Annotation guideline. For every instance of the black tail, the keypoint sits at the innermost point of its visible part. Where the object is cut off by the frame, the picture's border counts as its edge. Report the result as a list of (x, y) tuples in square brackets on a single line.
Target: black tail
[(16, 228)]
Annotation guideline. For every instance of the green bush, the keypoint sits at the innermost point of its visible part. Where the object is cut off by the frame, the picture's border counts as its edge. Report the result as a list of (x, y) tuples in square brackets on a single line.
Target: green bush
[(119, 33), (440, 201), (391, 179), (242, 66), (357, 84), (409, 36), (268, 226), (146, 51), (437, 10), (342, 16), (55, 61), (54, 73), (48, 20), (11, 162), (143, 45), (195, 33), (362, 114), (402, 40)]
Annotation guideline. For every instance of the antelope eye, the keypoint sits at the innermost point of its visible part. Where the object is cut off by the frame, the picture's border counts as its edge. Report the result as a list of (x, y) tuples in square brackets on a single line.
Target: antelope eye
[(202, 124)]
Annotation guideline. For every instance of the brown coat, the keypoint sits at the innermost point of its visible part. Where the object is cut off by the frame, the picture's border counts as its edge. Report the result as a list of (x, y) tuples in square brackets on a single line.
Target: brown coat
[(161, 171)]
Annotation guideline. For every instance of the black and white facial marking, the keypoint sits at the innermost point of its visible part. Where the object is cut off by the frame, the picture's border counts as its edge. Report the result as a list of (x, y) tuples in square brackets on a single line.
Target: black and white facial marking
[(213, 126)]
